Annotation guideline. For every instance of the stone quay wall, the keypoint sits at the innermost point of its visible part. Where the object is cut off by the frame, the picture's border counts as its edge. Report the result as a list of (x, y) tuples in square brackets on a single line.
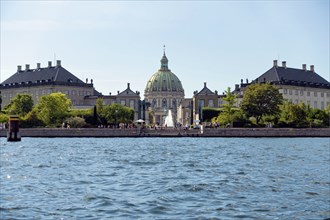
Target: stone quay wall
[(171, 132)]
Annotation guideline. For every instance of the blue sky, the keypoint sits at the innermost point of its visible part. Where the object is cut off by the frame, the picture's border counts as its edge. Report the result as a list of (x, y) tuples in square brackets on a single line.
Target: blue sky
[(113, 42)]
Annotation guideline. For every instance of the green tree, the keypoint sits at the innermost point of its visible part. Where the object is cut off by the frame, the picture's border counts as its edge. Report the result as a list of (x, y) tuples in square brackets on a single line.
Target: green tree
[(53, 109), (117, 113), (294, 115), (31, 120), (100, 111), (229, 106), (260, 100), (20, 105), (3, 118)]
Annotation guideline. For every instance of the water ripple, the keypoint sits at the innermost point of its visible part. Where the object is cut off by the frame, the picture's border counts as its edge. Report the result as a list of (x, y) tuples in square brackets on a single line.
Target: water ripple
[(183, 178)]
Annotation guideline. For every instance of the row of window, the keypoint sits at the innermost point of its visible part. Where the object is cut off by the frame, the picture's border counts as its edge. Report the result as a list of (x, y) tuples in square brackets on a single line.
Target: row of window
[(201, 103), (49, 91), (301, 92)]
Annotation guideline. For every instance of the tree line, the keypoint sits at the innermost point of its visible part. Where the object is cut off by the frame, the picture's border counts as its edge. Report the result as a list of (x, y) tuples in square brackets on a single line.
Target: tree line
[(263, 105), (55, 110)]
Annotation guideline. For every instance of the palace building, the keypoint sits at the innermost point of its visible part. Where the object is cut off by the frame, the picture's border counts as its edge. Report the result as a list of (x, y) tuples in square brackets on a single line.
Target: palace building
[(296, 85), (46, 80), (164, 92)]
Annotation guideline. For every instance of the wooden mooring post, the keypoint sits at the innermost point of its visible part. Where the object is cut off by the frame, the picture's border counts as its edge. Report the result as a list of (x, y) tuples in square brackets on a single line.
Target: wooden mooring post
[(13, 132)]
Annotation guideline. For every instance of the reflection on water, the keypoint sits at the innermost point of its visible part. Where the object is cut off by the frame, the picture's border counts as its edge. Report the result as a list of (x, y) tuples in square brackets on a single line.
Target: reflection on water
[(170, 178)]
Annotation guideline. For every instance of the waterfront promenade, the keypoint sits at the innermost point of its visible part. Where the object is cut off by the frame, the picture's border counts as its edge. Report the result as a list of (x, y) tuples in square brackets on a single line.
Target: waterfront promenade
[(172, 132)]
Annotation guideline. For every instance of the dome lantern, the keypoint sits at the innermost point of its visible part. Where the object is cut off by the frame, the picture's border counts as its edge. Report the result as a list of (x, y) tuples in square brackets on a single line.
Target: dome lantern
[(164, 62)]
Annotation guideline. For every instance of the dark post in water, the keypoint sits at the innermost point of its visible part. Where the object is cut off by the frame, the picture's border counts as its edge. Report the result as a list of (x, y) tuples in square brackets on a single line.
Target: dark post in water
[(13, 133)]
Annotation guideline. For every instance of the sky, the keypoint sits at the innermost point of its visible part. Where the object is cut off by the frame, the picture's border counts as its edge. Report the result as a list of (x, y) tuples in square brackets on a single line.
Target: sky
[(120, 42)]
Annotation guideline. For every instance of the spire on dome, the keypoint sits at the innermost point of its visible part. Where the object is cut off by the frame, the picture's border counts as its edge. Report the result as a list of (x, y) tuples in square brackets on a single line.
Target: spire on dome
[(164, 61)]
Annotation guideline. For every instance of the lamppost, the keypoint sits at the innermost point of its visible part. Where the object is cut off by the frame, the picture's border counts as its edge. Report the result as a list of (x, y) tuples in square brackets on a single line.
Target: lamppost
[(116, 111)]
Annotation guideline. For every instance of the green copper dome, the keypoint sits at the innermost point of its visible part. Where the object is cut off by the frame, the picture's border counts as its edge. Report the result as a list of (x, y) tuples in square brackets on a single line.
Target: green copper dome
[(164, 79)]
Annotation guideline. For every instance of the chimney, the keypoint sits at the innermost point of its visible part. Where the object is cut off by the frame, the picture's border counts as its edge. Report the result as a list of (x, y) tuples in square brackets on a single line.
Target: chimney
[(38, 65), (58, 63), (49, 64), (91, 81), (27, 67), (86, 80), (275, 63), (284, 64), (312, 68), (19, 68), (304, 67), (127, 85), (236, 87), (204, 84)]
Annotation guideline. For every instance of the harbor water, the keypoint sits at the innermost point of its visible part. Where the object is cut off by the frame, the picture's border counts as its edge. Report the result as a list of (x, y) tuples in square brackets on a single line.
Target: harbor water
[(165, 178)]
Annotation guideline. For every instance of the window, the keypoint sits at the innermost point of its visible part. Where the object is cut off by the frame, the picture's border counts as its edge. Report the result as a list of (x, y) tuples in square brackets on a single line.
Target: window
[(308, 93), (301, 92), (296, 101), (309, 103), (290, 92), (67, 92), (164, 103), (322, 105), (131, 104), (123, 102), (315, 104), (285, 91), (315, 94), (73, 92), (174, 103), (296, 92), (322, 94), (211, 103), (328, 94)]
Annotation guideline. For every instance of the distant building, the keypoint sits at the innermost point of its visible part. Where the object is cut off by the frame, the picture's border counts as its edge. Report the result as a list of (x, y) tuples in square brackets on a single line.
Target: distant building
[(204, 98), (126, 98), (296, 85), (46, 80), (163, 92)]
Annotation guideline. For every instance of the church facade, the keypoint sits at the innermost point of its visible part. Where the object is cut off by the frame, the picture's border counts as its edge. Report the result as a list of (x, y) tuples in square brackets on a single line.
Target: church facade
[(164, 92)]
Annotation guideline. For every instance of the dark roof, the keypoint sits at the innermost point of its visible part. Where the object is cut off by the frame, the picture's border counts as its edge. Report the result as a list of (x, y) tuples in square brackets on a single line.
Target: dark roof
[(53, 73), (285, 75), (205, 91), (128, 92)]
